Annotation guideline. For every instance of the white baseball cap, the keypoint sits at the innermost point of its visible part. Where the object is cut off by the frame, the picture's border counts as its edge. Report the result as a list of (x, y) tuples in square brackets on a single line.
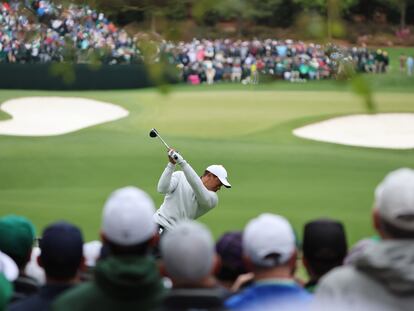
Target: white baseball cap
[(8, 267), (127, 217), (188, 251), (220, 172), (266, 235), (394, 198)]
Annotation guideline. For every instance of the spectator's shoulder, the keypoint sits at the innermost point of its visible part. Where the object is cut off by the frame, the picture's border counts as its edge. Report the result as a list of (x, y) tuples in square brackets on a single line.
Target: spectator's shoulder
[(74, 298), (339, 281)]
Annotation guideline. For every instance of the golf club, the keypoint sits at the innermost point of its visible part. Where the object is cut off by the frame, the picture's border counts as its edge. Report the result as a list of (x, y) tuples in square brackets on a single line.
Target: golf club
[(154, 133)]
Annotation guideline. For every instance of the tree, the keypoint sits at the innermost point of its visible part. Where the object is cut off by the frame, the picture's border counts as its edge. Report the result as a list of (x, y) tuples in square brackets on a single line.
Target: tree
[(401, 5), (332, 9), (322, 6)]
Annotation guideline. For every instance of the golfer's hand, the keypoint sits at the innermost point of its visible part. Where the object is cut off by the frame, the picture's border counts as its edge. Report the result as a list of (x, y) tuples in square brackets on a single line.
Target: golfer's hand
[(174, 157)]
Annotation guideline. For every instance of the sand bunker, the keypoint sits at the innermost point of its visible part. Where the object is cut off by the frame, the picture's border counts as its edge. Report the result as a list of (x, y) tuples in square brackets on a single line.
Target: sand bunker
[(49, 116), (389, 131)]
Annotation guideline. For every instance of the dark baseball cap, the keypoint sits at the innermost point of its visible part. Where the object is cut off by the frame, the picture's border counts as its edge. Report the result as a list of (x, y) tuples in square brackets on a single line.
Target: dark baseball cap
[(324, 240), (61, 248), (229, 248)]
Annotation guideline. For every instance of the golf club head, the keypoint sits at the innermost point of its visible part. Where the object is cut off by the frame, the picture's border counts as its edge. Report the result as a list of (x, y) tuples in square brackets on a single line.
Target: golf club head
[(153, 133)]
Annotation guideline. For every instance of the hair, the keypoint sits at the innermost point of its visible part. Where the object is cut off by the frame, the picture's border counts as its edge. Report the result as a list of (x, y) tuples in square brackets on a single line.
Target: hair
[(21, 261), (206, 173), (140, 249), (321, 267), (273, 261), (59, 270), (396, 232)]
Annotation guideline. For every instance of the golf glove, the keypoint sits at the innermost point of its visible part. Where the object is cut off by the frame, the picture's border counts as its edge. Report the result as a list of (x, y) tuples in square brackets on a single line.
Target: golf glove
[(176, 156)]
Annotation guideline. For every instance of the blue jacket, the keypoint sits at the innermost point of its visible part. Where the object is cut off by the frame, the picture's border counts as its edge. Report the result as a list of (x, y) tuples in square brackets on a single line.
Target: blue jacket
[(271, 294)]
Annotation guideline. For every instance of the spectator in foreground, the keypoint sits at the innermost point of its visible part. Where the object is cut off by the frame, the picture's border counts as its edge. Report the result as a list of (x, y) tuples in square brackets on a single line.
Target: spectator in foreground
[(270, 251), (229, 248), (324, 248), (128, 278), (16, 240), (8, 273), (92, 252), (381, 276), (189, 260), (61, 258)]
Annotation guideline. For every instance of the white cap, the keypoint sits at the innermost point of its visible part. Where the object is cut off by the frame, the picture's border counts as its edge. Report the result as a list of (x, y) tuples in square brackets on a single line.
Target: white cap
[(92, 252), (8, 267), (268, 234), (394, 198), (188, 251), (220, 172), (127, 217)]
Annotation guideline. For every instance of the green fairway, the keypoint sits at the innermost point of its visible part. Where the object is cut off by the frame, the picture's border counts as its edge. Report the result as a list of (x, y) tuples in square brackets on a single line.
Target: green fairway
[(246, 129)]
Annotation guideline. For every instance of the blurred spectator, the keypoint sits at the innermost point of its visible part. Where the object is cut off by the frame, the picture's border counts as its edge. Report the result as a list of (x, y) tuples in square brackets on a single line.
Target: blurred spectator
[(8, 273), (189, 260), (33, 269), (61, 258), (324, 248), (128, 278), (403, 62), (270, 251), (229, 249), (381, 275), (16, 240), (92, 253), (410, 65)]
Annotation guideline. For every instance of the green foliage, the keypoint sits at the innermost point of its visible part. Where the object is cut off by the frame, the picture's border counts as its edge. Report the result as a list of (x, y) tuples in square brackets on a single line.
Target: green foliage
[(361, 86), (321, 6), (65, 71)]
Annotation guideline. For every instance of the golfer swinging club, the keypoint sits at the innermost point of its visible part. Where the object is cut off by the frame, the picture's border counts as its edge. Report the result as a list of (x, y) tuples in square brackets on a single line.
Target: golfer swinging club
[(187, 196)]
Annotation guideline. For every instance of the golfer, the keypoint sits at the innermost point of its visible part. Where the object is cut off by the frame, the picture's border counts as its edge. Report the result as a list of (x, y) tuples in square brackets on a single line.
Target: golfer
[(187, 196)]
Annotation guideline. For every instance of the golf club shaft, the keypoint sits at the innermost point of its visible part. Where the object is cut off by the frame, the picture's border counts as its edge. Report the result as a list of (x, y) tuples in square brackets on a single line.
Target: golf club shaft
[(165, 144)]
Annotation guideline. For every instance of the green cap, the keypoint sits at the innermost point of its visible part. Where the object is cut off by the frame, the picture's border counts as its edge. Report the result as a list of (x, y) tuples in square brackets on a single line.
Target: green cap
[(6, 290), (16, 238)]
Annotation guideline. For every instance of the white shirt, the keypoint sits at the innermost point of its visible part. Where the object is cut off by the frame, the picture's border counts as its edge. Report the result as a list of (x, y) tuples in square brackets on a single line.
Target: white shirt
[(186, 197)]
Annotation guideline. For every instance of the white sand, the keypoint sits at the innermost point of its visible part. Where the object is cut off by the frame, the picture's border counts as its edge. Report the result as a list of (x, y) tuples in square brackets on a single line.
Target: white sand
[(49, 116), (388, 131)]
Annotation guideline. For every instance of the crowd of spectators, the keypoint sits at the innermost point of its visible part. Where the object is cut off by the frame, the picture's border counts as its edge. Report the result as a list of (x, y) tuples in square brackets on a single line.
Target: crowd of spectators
[(253, 269), (244, 61), (41, 31)]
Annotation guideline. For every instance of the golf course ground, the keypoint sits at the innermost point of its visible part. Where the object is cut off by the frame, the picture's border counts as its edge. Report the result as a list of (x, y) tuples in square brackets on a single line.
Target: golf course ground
[(248, 129)]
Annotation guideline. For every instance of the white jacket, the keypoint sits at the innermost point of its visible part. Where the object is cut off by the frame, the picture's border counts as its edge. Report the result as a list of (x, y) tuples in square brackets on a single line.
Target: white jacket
[(186, 197)]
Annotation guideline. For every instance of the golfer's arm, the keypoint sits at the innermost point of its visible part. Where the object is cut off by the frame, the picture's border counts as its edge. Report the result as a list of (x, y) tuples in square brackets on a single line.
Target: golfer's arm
[(203, 195), (167, 182)]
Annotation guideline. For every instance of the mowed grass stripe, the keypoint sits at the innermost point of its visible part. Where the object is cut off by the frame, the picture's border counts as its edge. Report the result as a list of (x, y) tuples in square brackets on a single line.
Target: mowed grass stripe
[(69, 177)]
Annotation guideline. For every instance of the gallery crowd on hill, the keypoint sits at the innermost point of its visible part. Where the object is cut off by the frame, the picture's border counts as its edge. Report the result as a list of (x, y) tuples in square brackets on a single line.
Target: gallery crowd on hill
[(41, 31), (132, 267), (244, 61)]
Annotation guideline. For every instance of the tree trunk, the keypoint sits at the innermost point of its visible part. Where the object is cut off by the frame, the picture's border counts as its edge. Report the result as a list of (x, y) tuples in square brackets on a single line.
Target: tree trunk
[(153, 23), (403, 8)]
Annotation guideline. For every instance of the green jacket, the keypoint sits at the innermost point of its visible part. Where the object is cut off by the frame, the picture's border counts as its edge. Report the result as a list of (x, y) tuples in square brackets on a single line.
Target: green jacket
[(121, 283)]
